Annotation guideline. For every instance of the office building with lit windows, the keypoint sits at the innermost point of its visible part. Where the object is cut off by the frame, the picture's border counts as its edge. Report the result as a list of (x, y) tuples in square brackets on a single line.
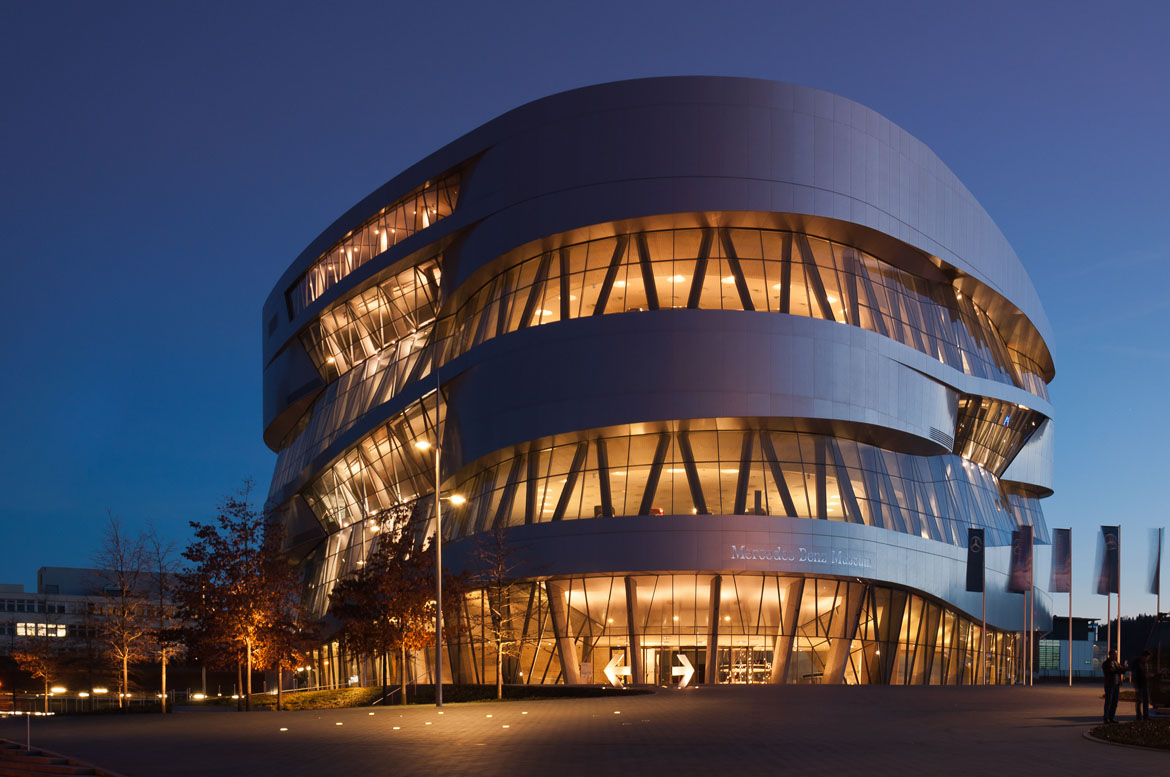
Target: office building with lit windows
[(733, 364)]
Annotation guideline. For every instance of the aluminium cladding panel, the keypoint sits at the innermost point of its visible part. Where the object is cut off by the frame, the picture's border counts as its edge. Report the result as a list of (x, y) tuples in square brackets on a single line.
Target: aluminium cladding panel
[(680, 364), (290, 381), (665, 145), (529, 356), (1033, 465), (669, 145), (749, 543)]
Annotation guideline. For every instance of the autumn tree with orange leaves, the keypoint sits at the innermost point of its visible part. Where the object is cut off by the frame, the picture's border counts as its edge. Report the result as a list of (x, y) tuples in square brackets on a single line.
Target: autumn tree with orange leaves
[(239, 596)]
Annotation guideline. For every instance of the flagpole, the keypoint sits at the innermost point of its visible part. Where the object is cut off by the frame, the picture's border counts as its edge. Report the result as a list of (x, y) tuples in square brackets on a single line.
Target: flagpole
[(1023, 638), (983, 647), (1108, 621), (1031, 634), (1032, 609), (1118, 636), (1070, 617)]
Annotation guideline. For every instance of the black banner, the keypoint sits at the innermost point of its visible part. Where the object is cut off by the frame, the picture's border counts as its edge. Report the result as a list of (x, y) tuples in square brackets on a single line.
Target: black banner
[(1109, 579), (1060, 581), (1020, 576), (975, 560)]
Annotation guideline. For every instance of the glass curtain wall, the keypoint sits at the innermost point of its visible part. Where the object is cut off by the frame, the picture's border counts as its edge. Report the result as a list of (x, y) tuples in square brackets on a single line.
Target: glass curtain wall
[(383, 472), (744, 269), (716, 466), (763, 628), (990, 432), (412, 213), (384, 320), (741, 269), (389, 330)]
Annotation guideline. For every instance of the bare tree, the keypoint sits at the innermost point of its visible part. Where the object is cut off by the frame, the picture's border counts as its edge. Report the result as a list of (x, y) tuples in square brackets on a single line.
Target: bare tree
[(160, 558), (121, 563), (495, 573)]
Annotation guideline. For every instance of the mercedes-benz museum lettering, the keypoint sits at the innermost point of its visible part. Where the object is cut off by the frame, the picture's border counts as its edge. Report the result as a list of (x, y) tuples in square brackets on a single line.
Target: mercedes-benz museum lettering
[(726, 367)]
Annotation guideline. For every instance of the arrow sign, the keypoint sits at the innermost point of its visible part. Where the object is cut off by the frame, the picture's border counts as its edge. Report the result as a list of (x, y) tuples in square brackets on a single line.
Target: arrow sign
[(612, 670), (686, 670)]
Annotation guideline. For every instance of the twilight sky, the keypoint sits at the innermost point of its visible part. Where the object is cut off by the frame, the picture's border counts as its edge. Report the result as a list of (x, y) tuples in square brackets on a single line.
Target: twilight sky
[(162, 163)]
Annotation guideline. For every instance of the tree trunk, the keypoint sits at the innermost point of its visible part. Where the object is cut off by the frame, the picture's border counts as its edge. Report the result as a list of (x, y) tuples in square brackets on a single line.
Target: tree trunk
[(46, 695), (402, 676), (125, 681), (279, 689), (499, 669), (248, 679), (385, 677), (164, 682), (239, 686)]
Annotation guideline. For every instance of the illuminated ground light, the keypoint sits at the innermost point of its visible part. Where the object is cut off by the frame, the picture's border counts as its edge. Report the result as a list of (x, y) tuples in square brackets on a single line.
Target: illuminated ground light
[(506, 726), (397, 727), (284, 729)]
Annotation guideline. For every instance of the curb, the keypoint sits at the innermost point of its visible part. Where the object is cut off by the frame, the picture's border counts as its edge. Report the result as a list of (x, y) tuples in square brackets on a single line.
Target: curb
[(1101, 741)]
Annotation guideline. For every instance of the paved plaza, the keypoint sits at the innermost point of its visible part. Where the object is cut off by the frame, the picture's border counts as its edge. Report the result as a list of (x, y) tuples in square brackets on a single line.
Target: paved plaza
[(801, 730)]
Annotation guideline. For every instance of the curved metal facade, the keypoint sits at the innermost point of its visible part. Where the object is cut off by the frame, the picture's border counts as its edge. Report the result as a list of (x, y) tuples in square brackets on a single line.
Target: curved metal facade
[(704, 347)]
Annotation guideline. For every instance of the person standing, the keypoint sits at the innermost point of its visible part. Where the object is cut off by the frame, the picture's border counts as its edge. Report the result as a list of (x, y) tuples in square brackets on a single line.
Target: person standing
[(1140, 673), (1113, 671)]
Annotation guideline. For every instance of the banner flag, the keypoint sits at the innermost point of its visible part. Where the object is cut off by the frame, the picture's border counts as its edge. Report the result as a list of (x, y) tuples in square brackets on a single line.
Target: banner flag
[(1020, 576), (1060, 581), (1156, 582), (975, 559), (1109, 578)]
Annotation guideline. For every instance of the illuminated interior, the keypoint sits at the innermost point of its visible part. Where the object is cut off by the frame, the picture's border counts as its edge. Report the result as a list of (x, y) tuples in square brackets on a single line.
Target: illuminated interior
[(410, 214), (770, 628)]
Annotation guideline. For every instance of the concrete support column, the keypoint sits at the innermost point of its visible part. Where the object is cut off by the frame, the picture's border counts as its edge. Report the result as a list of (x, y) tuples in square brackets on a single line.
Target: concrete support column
[(786, 635), (713, 631), (850, 611), (637, 673), (566, 649)]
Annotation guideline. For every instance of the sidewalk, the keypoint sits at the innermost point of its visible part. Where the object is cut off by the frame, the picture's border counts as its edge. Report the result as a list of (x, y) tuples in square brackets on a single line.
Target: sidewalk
[(800, 730)]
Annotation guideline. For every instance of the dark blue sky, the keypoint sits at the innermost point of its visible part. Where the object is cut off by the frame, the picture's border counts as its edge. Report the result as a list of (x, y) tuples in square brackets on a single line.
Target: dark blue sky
[(161, 165)]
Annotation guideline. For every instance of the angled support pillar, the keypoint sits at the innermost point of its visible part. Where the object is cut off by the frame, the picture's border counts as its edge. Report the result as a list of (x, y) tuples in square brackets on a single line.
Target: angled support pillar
[(637, 676), (566, 649), (927, 639), (789, 612), (711, 676), (890, 631), (839, 648)]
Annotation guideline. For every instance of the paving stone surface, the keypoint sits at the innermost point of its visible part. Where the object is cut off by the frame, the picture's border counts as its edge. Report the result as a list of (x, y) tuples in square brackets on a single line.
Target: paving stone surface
[(801, 730)]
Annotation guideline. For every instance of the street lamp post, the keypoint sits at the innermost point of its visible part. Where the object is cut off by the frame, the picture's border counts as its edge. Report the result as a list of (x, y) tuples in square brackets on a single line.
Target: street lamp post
[(456, 499), (438, 564)]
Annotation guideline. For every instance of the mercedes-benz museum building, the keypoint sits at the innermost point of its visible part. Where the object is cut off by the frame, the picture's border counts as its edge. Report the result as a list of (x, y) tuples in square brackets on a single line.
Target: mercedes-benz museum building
[(725, 367)]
